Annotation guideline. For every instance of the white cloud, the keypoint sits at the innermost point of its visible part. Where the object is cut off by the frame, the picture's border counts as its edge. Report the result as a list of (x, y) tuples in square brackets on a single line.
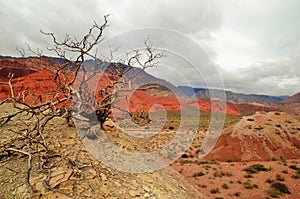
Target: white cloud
[(255, 43)]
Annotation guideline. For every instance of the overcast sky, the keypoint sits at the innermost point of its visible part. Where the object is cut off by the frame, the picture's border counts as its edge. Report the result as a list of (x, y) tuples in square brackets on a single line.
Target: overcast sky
[(254, 43)]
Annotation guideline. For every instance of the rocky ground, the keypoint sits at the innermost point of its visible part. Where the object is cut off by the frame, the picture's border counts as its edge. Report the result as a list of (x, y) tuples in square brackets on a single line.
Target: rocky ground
[(249, 157), (74, 173), (231, 180)]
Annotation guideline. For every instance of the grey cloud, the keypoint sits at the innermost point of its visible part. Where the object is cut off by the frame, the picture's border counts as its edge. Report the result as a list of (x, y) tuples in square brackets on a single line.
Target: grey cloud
[(280, 77), (266, 34), (272, 24), (22, 20), (262, 31), (188, 17)]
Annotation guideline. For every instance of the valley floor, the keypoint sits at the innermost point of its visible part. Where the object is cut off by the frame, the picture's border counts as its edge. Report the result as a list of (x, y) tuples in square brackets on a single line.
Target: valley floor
[(230, 180), (74, 173)]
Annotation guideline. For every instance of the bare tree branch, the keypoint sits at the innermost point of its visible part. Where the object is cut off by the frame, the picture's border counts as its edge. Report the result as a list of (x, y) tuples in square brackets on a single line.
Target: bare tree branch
[(118, 79), (29, 167)]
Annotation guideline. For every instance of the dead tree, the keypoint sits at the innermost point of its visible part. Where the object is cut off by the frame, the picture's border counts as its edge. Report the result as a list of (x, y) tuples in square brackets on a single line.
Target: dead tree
[(74, 53)]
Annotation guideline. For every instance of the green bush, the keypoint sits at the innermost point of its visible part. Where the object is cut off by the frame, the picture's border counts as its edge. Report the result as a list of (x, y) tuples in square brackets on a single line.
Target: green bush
[(184, 155), (202, 162), (259, 128), (284, 171), (198, 174), (248, 175), (293, 167), (274, 193), (225, 186), (248, 185), (297, 174), (281, 187), (214, 191), (203, 185), (255, 168), (279, 177), (221, 174), (237, 194), (182, 162), (214, 162)]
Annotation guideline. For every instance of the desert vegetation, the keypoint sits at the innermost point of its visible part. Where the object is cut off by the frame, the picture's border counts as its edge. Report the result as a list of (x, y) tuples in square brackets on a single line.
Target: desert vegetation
[(226, 177)]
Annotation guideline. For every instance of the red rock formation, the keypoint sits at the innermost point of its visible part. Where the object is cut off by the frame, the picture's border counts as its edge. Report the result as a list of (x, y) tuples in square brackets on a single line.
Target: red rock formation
[(23, 66), (33, 77), (40, 83), (293, 99), (34, 88), (263, 136)]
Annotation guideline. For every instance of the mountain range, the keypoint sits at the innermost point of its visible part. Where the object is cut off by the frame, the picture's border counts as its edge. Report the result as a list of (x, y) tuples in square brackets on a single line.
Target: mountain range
[(29, 73), (255, 129), (233, 97)]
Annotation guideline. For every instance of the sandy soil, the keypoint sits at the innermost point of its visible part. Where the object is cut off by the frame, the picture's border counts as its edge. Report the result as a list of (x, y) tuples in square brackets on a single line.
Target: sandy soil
[(231, 181)]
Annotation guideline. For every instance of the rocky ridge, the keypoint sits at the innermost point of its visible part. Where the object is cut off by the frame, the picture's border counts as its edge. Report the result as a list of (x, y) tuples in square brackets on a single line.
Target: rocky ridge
[(260, 137)]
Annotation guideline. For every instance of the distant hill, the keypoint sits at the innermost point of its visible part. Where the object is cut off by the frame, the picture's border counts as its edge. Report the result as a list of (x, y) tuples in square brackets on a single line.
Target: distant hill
[(290, 104), (239, 98), (22, 66), (282, 97), (29, 70), (292, 99), (5, 57), (189, 91), (136, 74), (33, 73)]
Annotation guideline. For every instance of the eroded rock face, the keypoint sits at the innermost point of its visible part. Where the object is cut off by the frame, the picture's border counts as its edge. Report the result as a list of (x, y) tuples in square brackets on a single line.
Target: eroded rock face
[(262, 136), (21, 67), (33, 78)]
